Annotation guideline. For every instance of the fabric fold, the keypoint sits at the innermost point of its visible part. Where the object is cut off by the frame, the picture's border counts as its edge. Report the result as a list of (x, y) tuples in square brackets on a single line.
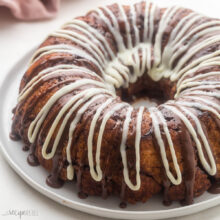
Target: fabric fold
[(32, 9)]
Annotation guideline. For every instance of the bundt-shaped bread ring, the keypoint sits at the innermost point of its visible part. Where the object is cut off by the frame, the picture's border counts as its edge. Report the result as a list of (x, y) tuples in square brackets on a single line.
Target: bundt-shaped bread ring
[(72, 110)]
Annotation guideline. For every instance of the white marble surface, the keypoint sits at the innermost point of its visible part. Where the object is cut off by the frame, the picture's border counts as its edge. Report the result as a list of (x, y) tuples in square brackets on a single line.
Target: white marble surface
[(16, 38)]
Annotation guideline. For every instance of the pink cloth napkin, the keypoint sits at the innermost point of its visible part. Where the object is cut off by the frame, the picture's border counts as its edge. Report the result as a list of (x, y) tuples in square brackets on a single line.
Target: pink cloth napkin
[(32, 9)]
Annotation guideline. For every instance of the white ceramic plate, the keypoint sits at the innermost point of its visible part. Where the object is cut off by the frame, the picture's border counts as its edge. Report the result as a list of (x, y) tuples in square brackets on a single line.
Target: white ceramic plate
[(35, 176)]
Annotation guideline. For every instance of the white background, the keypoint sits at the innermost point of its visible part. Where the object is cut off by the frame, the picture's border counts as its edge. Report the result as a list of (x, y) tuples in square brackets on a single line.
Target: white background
[(17, 38)]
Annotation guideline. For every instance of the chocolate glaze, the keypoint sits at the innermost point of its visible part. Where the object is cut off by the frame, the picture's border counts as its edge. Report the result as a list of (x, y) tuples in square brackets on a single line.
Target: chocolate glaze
[(79, 179), (82, 195), (215, 187), (123, 204), (53, 179), (80, 168), (104, 188), (54, 182), (32, 159), (166, 182), (189, 164), (14, 110), (26, 148), (14, 136), (106, 178)]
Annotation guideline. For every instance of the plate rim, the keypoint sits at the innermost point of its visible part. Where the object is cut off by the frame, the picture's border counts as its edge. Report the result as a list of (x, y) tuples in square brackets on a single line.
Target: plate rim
[(81, 206)]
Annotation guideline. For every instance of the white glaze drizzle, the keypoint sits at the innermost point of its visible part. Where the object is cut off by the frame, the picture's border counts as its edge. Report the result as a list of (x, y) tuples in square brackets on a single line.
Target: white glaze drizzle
[(106, 117), (84, 27), (197, 77), (213, 61), (57, 69), (155, 115), (75, 102), (137, 148), (82, 41), (198, 85), (37, 122), (94, 47), (90, 137), (199, 106), (71, 131), (206, 101), (210, 169)]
